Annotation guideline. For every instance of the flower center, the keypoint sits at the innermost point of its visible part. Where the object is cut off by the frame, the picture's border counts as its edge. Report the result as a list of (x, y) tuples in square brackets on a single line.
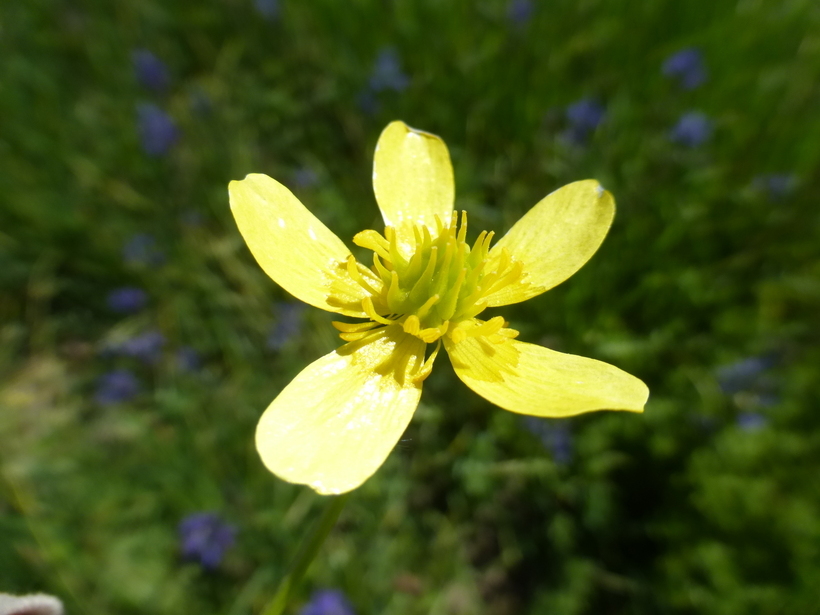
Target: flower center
[(433, 287)]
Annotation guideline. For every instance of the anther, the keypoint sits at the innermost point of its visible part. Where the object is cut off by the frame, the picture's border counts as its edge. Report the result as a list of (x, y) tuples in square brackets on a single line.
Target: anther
[(367, 307), (412, 325)]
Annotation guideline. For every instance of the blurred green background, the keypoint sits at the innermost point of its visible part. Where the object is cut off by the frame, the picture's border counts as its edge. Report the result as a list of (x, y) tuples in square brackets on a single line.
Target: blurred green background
[(140, 342)]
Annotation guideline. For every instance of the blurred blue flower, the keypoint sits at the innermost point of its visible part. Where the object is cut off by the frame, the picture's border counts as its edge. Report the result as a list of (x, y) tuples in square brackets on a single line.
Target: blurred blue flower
[(287, 325), (127, 300), (305, 177), (151, 72), (584, 116), (204, 537), (692, 129), (775, 185), (157, 129), (751, 421), (188, 359), (555, 436), (687, 67), (327, 602), (268, 9), (519, 12), (146, 347), (141, 249), (116, 386), (387, 73), (745, 374)]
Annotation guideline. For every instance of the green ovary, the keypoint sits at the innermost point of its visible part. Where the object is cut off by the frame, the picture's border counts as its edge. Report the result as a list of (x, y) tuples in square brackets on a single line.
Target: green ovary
[(443, 283)]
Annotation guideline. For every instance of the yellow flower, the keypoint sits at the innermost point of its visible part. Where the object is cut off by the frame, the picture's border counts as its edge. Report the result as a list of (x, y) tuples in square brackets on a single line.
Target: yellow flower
[(336, 422)]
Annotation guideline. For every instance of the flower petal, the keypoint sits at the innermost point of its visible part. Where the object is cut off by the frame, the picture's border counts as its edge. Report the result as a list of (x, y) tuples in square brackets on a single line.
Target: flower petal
[(294, 248), (412, 179), (531, 379), (554, 239), (336, 422)]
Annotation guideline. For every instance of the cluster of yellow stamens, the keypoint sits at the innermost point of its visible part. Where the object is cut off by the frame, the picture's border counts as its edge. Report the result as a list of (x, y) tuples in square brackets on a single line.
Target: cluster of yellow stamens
[(433, 288)]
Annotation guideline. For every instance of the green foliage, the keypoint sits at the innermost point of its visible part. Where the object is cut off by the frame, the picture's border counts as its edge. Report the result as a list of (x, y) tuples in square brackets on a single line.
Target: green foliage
[(683, 509)]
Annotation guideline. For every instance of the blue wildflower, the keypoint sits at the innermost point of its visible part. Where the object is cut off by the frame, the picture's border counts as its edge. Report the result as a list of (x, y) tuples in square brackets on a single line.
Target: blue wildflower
[(268, 9), (555, 436), (127, 300), (151, 72), (204, 537), (584, 116), (387, 73), (188, 359), (116, 386), (305, 177), (157, 129), (327, 602), (519, 12), (745, 374), (287, 325), (141, 249), (775, 185), (687, 67), (146, 347), (692, 129), (751, 421)]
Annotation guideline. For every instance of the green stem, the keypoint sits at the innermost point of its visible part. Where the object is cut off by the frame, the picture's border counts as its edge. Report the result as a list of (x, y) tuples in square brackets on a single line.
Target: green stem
[(307, 551)]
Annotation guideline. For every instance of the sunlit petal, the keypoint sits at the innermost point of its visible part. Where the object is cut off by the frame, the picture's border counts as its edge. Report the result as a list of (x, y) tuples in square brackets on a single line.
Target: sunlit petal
[(336, 422), (531, 379), (412, 179), (554, 239), (294, 248)]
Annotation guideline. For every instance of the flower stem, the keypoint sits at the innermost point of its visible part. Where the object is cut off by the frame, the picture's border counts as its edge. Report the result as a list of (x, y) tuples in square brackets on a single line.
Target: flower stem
[(307, 551)]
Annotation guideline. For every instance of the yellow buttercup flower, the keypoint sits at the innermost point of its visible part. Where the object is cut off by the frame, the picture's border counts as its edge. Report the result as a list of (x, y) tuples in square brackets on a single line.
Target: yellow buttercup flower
[(336, 422)]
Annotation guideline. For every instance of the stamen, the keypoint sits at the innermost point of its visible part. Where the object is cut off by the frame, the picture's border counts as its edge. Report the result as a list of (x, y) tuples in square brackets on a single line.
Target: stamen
[(412, 325), (352, 327), (512, 275), (487, 328), (425, 370), (355, 337), (353, 270), (367, 307), (474, 310), (372, 240), (431, 334)]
